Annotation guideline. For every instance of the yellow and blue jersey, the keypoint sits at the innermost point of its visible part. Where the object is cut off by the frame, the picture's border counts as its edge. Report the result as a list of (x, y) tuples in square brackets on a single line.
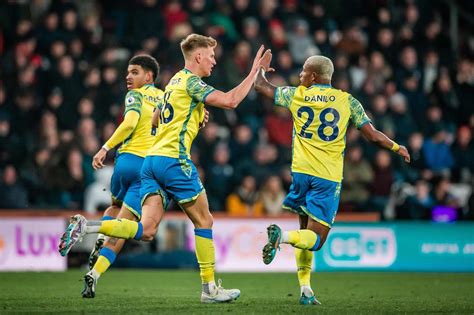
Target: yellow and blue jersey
[(144, 101), (182, 109), (321, 115)]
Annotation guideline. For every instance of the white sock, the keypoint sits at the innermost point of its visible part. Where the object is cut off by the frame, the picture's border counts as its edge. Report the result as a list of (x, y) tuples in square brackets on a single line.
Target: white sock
[(95, 274), (306, 290), (93, 226), (284, 237)]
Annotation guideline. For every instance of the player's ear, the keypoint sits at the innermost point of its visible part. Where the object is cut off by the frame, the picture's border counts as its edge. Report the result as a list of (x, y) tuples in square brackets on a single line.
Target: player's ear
[(198, 57), (149, 76)]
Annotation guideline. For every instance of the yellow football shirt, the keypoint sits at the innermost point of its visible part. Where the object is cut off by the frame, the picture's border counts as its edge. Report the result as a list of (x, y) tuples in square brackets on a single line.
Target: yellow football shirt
[(144, 101), (320, 118), (182, 109)]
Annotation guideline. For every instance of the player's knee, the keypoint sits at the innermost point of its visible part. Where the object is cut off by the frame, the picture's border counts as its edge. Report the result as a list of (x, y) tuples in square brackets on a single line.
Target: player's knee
[(204, 221), (208, 221)]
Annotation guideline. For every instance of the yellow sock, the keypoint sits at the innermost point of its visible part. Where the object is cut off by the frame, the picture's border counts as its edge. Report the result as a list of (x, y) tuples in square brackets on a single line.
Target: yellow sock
[(121, 228), (101, 265), (205, 254), (304, 239), (106, 258), (304, 259)]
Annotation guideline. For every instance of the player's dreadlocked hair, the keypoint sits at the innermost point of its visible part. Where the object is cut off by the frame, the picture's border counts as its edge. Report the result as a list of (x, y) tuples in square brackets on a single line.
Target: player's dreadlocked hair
[(148, 63)]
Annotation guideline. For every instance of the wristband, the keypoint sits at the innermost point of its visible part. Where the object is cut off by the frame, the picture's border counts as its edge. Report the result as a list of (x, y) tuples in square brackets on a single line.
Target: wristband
[(105, 147), (395, 147)]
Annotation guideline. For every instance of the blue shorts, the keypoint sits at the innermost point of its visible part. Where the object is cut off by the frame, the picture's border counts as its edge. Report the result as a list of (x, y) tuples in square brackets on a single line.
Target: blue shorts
[(125, 182), (315, 197), (171, 178)]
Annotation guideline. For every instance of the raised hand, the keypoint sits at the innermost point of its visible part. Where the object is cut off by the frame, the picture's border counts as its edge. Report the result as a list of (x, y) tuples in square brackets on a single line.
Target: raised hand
[(266, 60), (256, 61)]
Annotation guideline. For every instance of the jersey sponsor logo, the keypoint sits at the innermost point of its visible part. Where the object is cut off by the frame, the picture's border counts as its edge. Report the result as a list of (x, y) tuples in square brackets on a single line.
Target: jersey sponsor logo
[(320, 98), (152, 99), (175, 81)]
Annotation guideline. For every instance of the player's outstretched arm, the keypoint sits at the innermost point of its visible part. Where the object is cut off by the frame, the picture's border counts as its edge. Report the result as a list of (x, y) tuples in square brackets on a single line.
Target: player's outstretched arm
[(380, 139), (232, 99), (262, 85), (123, 131)]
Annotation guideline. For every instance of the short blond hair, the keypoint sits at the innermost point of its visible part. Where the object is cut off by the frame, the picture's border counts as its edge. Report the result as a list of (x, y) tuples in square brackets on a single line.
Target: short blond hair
[(193, 41), (321, 65)]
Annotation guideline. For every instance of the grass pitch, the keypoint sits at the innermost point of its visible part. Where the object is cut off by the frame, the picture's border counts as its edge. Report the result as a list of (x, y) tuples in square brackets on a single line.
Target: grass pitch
[(178, 292)]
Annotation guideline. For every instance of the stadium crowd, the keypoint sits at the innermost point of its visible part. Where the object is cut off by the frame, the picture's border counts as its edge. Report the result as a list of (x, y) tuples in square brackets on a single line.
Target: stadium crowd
[(62, 85)]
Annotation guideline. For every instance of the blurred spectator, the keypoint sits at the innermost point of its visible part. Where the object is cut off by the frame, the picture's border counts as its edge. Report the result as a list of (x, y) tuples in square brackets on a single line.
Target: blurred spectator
[(358, 175), (446, 97), (147, 25), (279, 126), (418, 167), (10, 143), (353, 41), (385, 44), (206, 142), (33, 174), (219, 178), (241, 143), (278, 37), (300, 43), (272, 195), (382, 182), (65, 175), (405, 125), (430, 70), (417, 102), (263, 164), (251, 33), (417, 206), (245, 200), (463, 153), (408, 65), (381, 118), (13, 194), (378, 70), (438, 154), (441, 193)]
